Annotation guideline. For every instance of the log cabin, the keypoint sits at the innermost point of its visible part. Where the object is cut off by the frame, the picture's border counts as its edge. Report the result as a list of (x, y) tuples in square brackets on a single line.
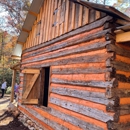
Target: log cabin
[(75, 66)]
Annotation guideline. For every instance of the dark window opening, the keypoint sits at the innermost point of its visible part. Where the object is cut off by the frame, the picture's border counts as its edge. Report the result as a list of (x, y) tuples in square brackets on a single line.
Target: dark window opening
[(46, 86)]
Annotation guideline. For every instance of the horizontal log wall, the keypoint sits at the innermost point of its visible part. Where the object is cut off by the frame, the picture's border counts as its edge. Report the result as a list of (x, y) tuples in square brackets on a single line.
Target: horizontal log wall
[(121, 65), (79, 96), (73, 17)]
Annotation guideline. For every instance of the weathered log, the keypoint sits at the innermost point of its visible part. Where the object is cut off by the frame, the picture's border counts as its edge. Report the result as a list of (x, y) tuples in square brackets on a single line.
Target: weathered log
[(96, 97), (122, 78), (80, 49), (110, 37), (73, 120), (113, 107), (88, 111), (85, 28), (100, 84), (118, 50), (82, 59), (109, 25), (111, 92), (118, 126), (76, 41), (124, 109), (90, 70), (54, 125), (118, 65)]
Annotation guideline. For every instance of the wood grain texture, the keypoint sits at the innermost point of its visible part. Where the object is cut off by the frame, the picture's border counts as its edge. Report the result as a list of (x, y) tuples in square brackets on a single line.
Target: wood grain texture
[(99, 84), (94, 113), (89, 27)]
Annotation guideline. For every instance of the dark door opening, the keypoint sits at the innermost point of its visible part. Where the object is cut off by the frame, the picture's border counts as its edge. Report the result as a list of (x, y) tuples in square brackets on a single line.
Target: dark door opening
[(46, 86)]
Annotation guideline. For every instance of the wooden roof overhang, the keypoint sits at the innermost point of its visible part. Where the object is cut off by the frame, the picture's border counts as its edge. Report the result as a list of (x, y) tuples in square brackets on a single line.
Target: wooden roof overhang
[(27, 27), (30, 19), (122, 32)]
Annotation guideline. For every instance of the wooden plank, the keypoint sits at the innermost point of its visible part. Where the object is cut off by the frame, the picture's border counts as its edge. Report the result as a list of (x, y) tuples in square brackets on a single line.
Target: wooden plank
[(76, 15), (123, 37), (73, 16), (91, 112), (89, 27), (54, 18), (98, 15), (62, 17), (70, 16), (45, 18), (30, 86), (38, 29), (51, 20), (41, 92), (92, 14), (48, 19), (30, 101), (31, 38), (80, 15), (58, 19), (85, 15), (66, 17), (31, 71), (42, 22), (98, 84), (34, 34)]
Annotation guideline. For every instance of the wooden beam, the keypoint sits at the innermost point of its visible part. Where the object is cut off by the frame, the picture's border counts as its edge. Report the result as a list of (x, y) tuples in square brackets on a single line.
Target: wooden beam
[(25, 30), (13, 83), (30, 101), (123, 37), (122, 22), (21, 42), (32, 13), (31, 71)]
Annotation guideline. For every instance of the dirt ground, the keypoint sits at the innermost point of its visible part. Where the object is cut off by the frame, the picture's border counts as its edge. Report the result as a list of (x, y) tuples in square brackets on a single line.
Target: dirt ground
[(7, 120)]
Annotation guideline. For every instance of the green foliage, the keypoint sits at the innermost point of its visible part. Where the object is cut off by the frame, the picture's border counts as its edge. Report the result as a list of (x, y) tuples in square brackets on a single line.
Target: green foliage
[(6, 73)]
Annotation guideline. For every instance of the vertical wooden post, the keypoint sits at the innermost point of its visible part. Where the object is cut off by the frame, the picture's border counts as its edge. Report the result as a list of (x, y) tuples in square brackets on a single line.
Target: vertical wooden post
[(13, 83)]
